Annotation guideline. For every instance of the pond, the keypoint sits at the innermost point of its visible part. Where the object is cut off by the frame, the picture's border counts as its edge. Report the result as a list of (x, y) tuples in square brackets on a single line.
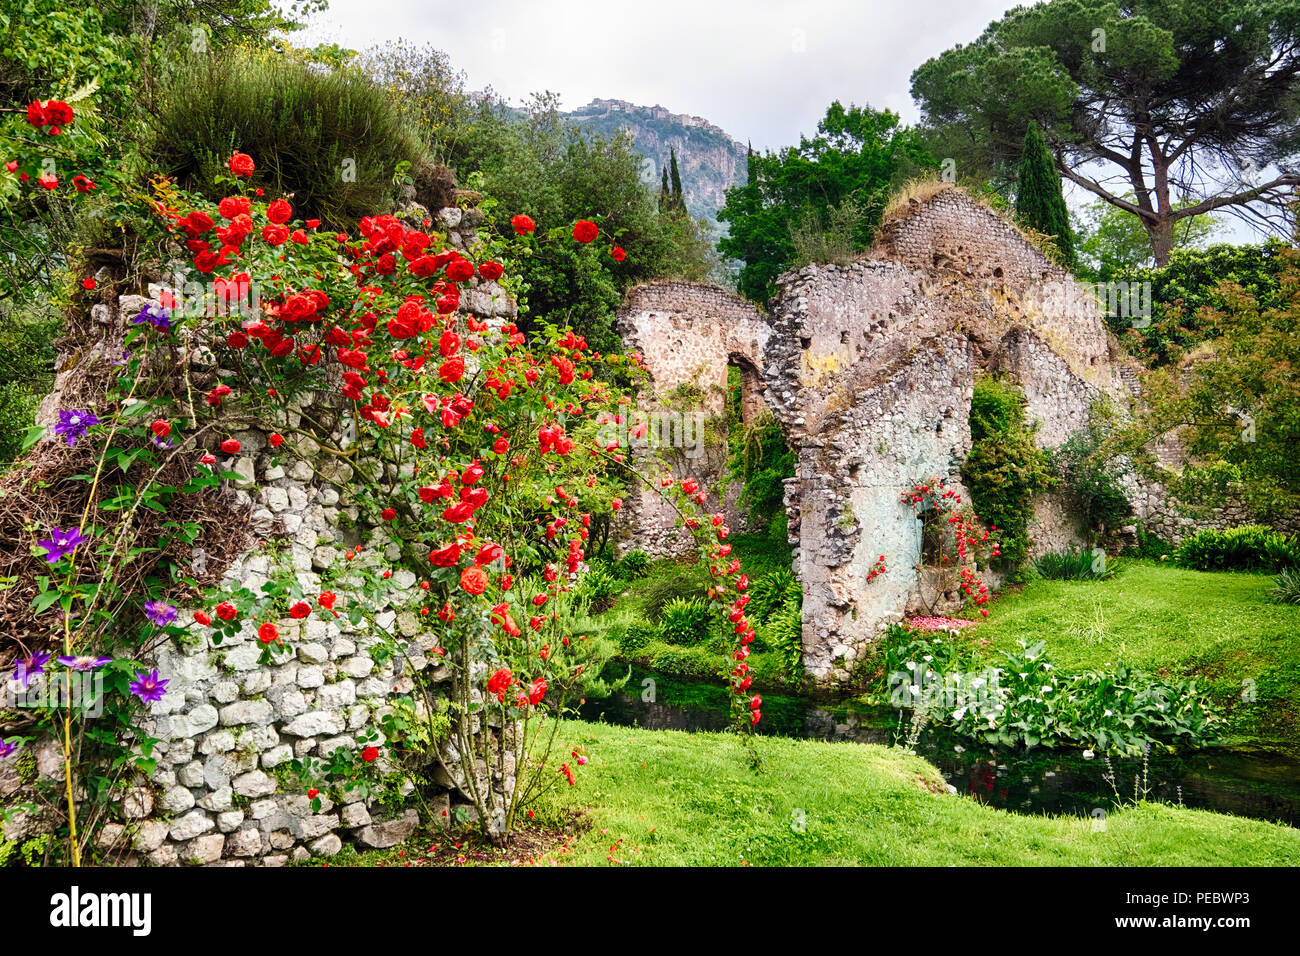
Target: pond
[(1261, 785)]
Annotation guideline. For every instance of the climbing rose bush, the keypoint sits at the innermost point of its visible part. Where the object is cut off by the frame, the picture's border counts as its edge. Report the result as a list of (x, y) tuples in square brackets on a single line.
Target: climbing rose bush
[(476, 452)]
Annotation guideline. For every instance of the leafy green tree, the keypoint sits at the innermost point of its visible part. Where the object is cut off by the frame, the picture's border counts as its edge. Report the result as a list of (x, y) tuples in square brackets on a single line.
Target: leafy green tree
[(1040, 205), (856, 159), (1109, 240), (1172, 100), (675, 179)]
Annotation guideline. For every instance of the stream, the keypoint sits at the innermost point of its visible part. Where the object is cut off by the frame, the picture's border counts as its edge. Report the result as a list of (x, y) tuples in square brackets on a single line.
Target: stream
[(1259, 784)]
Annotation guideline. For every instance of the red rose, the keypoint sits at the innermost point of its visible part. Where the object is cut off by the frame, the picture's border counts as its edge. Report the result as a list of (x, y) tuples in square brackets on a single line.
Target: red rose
[(230, 446), (452, 370), (276, 440), (237, 340), (536, 691), (326, 600), (618, 253), (474, 580), (88, 284), (313, 793), (48, 182), (584, 230), (241, 164), (388, 514), (370, 754), (161, 428), (36, 113), (275, 235), (458, 270), (499, 682), (445, 557), (279, 211), (227, 611), (268, 633), (522, 224), (300, 610), (83, 184), (491, 271), (201, 617), (58, 113)]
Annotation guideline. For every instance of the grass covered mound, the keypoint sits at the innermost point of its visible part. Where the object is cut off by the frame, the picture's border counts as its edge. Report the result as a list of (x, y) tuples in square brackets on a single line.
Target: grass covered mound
[(665, 798)]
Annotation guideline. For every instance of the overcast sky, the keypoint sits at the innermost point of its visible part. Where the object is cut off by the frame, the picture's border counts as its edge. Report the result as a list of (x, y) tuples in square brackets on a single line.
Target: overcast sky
[(763, 70)]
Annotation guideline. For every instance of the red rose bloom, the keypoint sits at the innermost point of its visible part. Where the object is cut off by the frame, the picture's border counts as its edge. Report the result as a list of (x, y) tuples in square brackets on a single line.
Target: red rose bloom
[(279, 211), (58, 113), (326, 600), (388, 514), (161, 428), (83, 184), (227, 611), (275, 235), (452, 370), (300, 610), (491, 271), (241, 164), (201, 617), (276, 439), (230, 446), (370, 754), (584, 230), (268, 633), (474, 580), (618, 253), (499, 682), (522, 224), (459, 270)]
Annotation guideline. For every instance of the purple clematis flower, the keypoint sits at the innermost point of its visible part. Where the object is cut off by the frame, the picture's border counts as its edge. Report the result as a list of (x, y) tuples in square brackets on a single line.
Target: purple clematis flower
[(7, 749), (84, 663), (149, 687), (73, 423), (155, 315), (160, 612), (61, 543), (33, 667)]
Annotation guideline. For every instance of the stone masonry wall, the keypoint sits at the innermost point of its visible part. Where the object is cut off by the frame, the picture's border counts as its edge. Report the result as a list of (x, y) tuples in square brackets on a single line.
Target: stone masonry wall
[(688, 334)]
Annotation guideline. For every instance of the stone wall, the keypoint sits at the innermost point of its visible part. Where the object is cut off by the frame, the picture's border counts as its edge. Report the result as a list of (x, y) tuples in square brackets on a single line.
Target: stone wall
[(227, 724), (688, 334)]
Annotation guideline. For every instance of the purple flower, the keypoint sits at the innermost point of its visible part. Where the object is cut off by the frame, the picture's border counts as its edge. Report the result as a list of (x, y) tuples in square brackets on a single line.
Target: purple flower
[(72, 424), (84, 663), (155, 315), (6, 749), (149, 687), (160, 612), (61, 543), (34, 666)]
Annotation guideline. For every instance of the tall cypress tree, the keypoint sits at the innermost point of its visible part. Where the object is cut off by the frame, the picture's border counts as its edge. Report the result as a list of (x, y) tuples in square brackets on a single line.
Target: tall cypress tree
[(665, 197), (679, 201), (1040, 203)]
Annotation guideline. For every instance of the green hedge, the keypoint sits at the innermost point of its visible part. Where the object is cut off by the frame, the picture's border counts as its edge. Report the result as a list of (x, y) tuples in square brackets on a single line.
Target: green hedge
[(1249, 547)]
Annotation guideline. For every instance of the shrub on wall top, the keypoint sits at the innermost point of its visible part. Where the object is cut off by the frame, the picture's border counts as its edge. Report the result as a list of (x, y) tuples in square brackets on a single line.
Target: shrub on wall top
[(329, 138)]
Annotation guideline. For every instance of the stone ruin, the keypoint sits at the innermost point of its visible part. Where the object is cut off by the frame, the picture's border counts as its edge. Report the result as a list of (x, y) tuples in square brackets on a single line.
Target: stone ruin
[(870, 369)]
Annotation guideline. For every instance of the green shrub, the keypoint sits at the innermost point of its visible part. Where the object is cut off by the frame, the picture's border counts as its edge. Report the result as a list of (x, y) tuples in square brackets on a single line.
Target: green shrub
[(636, 636), (1080, 565), (1249, 547), (770, 591), (1090, 479), (783, 635), (598, 586), (632, 566), (686, 581), (687, 663), (1005, 467), (685, 622), (328, 137), (1286, 589)]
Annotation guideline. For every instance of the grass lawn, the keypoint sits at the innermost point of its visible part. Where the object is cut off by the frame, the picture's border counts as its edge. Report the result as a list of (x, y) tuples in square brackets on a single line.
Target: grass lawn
[(666, 798), (1218, 627)]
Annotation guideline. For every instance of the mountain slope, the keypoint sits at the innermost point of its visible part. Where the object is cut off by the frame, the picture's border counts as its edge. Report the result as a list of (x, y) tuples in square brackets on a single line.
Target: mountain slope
[(708, 159)]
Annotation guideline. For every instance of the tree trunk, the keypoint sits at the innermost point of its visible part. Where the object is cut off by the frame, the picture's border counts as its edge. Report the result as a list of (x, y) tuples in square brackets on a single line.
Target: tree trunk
[(1161, 234)]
